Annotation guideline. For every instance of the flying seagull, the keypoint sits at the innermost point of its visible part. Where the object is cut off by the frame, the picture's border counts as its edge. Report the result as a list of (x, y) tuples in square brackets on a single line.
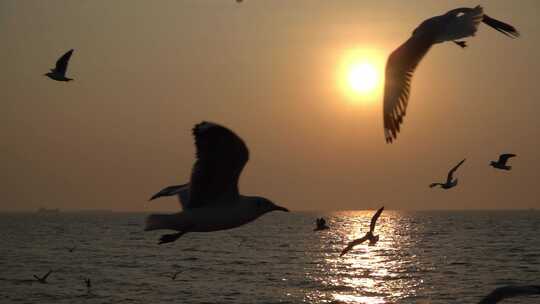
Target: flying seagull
[(59, 72), (174, 275), (71, 249), (450, 181), (505, 292), (211, 201), (456, 24), (373, 239), (88, 283), (501, 163), (43, 279)]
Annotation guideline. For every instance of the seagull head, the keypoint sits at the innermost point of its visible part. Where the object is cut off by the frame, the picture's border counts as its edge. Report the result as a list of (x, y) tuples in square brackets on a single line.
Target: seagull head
[(492, 163)]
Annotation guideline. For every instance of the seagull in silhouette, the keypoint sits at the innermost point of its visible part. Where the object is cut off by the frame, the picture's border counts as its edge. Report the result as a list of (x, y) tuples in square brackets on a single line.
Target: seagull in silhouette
[(43, 279), (174, 275), (59, 71), (505, 292), (450, 181), (88, 283), (456, 24), (72, 249), (373, 239), (211, 201), (501, 163)]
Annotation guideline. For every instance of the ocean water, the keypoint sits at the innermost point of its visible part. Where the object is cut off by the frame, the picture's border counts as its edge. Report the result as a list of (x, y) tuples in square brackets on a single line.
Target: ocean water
[(422, 257)]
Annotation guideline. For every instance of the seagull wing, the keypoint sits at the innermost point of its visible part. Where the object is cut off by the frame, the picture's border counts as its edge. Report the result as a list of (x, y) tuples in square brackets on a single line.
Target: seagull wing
[(399, 71), (451, 172), (500, 26), (354, 243), (47, 275), (505, 292), (62, 62), (434, 185), (374, 219), (181, 190), (221, 156), (503, 158)]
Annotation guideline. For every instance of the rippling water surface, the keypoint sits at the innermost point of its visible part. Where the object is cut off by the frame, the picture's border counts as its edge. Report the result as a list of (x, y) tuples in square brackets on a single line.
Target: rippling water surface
[(422, 257)]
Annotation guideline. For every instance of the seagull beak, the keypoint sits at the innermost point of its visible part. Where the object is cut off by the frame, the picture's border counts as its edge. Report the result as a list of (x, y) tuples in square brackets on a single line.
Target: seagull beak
[(279, 208)]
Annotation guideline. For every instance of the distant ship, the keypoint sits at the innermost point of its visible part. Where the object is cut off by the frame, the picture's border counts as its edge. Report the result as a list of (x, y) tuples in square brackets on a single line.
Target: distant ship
[(48, 211)]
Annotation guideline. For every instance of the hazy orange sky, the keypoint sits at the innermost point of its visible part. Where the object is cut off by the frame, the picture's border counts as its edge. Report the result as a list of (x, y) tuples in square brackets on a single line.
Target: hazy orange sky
[(147, 71)]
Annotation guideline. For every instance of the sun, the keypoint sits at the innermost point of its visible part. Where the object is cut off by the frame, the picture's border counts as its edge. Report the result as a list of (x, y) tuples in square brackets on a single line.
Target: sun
[(360, 75)]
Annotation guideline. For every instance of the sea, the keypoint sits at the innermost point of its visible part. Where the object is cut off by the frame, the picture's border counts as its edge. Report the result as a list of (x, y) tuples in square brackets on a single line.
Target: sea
[(421, 257)]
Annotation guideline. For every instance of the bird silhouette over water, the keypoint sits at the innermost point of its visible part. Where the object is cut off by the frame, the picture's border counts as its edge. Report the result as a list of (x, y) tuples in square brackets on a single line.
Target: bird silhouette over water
[(507, 292), (456, 24), (174, 275), (88, 284), (450, 181), (501, 162), (211, 201), (43, 279), (373, 239), (71, 249), (59, 71)]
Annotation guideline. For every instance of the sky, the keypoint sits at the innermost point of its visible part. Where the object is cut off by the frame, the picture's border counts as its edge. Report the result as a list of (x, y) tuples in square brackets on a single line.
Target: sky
[(271, 70)]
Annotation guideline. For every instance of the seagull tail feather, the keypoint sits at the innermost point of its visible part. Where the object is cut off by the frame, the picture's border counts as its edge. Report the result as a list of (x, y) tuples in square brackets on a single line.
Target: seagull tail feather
[(500, 26), (160, 221)]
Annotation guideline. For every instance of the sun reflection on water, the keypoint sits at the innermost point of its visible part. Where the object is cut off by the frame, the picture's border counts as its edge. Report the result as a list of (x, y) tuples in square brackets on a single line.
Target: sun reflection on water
[(383, 273)]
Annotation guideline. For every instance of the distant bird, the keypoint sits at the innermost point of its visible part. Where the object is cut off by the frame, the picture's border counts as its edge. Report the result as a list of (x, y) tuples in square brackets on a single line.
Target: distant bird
[(59, 72), (174, 275), (211, 200), (88, 283), (373, 239), (72, 249), (505, 292), (501, 163), (43, 279), (456, 24), (450, 181)]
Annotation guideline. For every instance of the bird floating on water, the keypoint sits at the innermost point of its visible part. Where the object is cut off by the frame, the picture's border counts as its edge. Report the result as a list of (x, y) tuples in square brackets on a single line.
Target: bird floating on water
[(174, 275), (59, 71), (320, 224), (211, 201), (71, 249), (456, 24), (450, 181), (501, 162), (43, 279), (373, 239), (506, 292)]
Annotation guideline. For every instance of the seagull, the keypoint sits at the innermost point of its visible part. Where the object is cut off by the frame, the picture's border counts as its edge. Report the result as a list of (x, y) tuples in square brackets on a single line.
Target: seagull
[(59, 72), (456, 24), (505, 292), (174, 275), (211, 201), (43, 279), (501, 163), (88, 283), (450, 181), (373, 239), (72, 249), (320, 224)]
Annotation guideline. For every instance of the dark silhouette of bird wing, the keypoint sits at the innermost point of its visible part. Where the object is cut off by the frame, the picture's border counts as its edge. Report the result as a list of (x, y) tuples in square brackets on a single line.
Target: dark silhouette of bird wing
[(221, 156), (354, 243), (47, 275), (451, 172), (435, 184), (503, 158), (62, 62), (500, 26), (509, 292), (399, 71), (374, 219)]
